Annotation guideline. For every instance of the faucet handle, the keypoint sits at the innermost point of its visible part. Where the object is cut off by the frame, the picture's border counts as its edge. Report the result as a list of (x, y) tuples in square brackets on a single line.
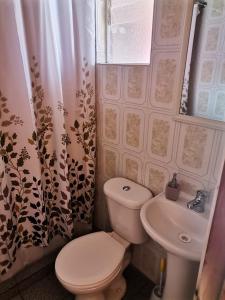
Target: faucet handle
[(202, 194), (197, 204)]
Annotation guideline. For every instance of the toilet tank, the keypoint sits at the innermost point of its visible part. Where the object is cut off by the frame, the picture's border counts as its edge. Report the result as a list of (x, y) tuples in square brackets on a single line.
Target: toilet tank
[(124, 200)]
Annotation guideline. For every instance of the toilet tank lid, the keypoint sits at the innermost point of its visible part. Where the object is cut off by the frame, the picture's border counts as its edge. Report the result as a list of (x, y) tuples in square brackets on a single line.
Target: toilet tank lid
[(127, 192)]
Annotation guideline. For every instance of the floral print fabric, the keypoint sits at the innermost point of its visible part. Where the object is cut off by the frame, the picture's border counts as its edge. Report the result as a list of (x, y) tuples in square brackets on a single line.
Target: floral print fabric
[(47, 144)]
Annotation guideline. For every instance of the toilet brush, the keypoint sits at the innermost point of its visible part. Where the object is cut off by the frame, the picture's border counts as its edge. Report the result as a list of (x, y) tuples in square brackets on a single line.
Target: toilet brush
[(158, 289), (162, 271)]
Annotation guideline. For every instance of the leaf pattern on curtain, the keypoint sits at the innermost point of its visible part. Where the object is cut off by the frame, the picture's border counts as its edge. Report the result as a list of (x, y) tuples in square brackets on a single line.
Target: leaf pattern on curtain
[(35, 209)]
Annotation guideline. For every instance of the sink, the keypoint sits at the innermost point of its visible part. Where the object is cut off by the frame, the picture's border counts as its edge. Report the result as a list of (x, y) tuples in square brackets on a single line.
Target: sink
[(180, 231)]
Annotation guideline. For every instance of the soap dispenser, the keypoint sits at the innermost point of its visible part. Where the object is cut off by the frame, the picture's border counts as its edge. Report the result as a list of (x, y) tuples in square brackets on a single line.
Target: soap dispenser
[(172, 189)]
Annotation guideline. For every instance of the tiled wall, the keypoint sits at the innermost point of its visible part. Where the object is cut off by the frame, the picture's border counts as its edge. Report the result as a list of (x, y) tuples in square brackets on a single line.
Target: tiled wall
[(139, 136), (209, 87)]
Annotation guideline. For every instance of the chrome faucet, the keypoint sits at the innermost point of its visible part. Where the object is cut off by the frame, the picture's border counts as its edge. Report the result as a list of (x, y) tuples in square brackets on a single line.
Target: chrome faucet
[(198, 204)]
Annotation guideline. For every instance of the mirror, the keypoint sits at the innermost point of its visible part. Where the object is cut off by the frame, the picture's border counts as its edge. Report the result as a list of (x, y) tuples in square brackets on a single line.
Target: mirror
[(203, 93)]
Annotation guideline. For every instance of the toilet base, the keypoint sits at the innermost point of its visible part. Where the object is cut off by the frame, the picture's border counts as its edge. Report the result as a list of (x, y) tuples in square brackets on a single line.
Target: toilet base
[(115, 291), (94, 296), (117, 288)]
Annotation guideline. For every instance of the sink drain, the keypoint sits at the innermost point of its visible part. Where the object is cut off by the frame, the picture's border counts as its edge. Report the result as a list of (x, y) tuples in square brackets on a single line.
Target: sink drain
[(184, 237)]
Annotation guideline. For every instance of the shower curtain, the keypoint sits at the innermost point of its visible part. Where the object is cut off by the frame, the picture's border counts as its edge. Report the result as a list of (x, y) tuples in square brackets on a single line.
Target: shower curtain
[(47, 121)]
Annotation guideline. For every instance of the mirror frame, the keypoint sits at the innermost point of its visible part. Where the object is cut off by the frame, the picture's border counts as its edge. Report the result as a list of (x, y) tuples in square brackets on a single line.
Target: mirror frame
[(183, 118)]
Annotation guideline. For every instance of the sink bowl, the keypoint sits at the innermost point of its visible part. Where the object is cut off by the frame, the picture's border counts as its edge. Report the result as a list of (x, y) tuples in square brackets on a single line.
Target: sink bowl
[(178, 229), (181, 232)]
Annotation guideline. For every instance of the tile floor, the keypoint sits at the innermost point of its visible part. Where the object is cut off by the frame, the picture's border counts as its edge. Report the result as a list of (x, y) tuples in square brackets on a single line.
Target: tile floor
[(43, 285)]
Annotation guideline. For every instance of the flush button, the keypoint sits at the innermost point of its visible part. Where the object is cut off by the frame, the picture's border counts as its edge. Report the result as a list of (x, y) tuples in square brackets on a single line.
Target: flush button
[(126, 188), (184, 237)]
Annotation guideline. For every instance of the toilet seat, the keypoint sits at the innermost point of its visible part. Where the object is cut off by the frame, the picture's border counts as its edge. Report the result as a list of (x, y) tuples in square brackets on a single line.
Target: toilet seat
[(84, 289), (90, 261)]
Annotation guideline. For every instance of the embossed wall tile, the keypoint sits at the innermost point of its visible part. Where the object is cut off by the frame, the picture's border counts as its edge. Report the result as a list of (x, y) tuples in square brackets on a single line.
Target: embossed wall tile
[(133, 129), (111, 81), (219, 109), (160, 132), (111, 123), (194, 144), (132, 167), (194, 149), (156, 178), (222, 74), (98, 81), (110, 162), (189, 185), (219, 156), (212, 39), (150, 259), (218, 8), (207, 71), (169, 22), (164, 78), (135, 84), (146, 257), (203, 102), (160, 137)]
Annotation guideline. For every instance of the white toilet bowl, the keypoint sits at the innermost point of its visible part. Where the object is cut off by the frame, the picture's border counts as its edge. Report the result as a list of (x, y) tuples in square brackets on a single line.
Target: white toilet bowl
[(91, 266)]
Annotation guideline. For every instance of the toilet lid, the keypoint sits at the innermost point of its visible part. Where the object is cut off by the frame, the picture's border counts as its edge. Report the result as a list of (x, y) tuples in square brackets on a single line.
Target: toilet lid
[(89, 259)]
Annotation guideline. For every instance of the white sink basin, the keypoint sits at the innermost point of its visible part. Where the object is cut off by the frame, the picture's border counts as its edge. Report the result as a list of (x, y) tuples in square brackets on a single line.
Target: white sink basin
[(178, 229)]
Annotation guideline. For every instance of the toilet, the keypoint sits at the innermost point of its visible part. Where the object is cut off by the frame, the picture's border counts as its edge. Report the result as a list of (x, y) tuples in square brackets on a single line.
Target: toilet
[(91, 266)]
